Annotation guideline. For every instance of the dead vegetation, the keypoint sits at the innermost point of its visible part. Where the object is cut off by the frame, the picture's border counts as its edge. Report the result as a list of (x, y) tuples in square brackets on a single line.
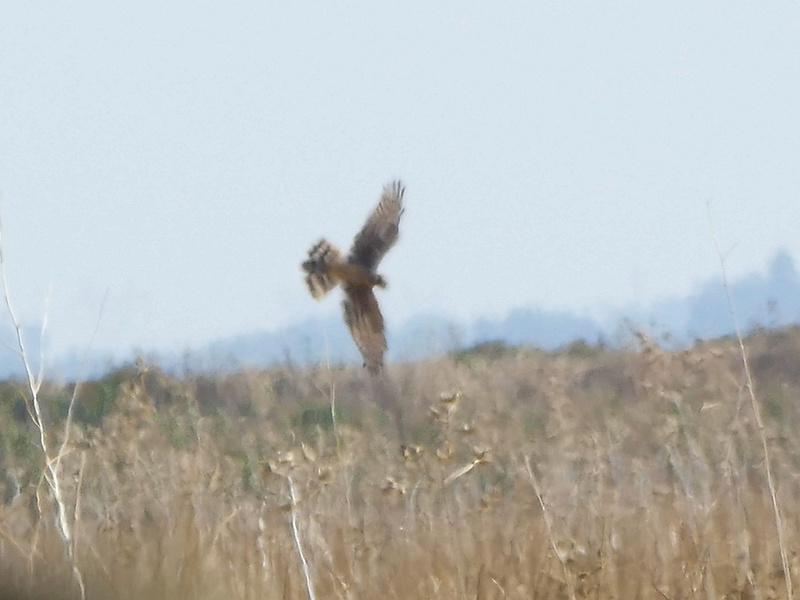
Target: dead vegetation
[(585, 473)]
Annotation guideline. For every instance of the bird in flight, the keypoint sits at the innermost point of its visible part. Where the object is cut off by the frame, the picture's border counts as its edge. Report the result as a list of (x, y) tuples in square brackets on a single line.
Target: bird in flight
[(325, 268)]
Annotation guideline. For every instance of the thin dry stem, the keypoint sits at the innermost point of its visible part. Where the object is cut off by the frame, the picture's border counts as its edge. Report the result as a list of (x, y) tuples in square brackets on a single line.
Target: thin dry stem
[(76, 528), (298, 543), (787, 577), (549, 525)]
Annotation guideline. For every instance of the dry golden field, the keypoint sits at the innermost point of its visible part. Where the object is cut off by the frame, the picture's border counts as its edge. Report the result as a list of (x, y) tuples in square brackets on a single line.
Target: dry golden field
[(584, 473)]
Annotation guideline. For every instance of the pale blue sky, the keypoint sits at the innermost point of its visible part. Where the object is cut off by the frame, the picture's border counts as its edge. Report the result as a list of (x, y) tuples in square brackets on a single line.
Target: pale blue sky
[(185, 155)]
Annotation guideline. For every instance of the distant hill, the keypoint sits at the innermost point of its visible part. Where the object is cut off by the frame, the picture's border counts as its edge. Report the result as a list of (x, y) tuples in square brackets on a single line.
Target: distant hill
[(770, 299), (760, 300)]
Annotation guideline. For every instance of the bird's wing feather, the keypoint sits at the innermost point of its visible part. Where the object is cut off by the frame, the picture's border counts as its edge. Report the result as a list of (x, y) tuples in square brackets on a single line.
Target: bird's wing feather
[(320, 257), (380, 231), (364, 319)]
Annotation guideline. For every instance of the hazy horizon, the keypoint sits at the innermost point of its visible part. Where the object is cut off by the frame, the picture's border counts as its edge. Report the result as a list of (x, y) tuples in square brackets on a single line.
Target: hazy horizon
[(182, 159), (768, 298)]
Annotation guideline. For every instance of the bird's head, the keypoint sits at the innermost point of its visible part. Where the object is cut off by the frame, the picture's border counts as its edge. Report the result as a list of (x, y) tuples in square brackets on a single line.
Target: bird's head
[(380, 281)]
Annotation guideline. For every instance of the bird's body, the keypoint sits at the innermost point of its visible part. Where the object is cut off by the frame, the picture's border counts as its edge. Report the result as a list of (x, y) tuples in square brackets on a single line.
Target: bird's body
[(326, 268), (340, 271)]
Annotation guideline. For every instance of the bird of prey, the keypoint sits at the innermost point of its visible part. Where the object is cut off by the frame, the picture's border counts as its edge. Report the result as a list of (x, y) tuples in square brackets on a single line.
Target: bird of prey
[(325, 268)]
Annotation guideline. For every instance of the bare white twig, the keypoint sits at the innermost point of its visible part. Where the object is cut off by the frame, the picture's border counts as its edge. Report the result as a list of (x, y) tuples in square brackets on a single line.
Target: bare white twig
[(787, 577), (76, 522), (52, 462), (34, 385), (298, 544)]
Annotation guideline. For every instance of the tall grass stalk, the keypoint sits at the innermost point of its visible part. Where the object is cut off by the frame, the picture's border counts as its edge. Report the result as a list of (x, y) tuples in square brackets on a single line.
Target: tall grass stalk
[(787, 576)]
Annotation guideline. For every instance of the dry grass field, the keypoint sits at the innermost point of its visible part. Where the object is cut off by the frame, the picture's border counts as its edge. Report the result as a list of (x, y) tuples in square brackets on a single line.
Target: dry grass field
[(584, 473)]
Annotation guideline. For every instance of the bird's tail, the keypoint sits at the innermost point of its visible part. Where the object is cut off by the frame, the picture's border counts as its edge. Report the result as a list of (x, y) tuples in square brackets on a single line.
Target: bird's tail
[(321, 255)]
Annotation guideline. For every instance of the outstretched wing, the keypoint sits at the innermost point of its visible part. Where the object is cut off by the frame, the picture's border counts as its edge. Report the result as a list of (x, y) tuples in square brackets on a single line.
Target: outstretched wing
[(380, 231), (364, 319)]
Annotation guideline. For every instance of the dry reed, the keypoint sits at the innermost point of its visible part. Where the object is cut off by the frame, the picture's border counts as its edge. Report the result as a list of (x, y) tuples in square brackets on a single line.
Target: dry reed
[(634, 473)]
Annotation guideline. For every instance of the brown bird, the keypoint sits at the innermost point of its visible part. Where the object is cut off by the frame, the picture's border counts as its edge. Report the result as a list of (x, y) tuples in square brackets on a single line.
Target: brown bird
[(326, 268)]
